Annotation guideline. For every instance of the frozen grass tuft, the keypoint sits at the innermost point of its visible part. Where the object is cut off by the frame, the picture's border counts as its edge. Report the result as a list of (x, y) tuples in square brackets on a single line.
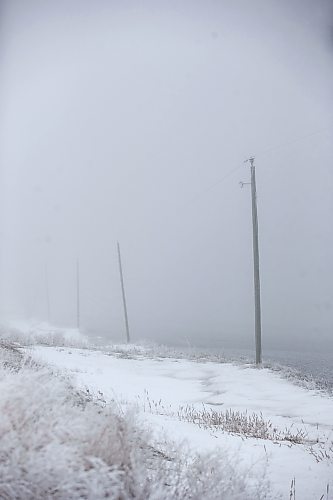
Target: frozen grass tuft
[(323, 451), (59, 443), (242, 423), (235, 422)]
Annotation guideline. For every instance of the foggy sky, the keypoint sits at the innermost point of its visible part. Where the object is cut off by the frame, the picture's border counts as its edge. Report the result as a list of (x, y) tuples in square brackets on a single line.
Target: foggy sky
[(130, 121)]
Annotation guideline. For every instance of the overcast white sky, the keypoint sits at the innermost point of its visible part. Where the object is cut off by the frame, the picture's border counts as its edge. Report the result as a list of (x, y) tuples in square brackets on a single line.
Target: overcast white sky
[(122, 120)]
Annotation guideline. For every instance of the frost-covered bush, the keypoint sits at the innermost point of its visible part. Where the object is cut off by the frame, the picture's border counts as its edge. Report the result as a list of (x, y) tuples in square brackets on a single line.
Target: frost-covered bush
[(60, 443), (31, 333)]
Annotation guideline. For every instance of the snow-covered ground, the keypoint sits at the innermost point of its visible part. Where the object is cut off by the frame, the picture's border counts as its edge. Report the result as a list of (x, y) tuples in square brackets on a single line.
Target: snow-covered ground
[(166, 391)]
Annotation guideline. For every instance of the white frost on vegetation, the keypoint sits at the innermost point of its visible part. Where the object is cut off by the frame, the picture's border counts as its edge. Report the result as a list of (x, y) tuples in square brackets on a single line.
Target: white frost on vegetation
[(216, 405), (36, 332), (57, 442)]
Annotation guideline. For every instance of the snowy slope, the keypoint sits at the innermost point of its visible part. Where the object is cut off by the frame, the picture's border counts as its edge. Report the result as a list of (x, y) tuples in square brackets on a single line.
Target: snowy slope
[(158, 388)]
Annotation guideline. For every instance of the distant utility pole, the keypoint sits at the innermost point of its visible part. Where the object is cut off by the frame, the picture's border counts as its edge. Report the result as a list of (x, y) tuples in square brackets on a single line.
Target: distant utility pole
[(78, 294), (47, 293), (123, 293), (255, 260)]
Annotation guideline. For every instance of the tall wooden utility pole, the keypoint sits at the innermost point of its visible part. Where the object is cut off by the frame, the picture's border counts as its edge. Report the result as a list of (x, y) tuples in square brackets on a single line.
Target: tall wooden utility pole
[(123, 293), (78, 294), (257, 306), (47, 293)]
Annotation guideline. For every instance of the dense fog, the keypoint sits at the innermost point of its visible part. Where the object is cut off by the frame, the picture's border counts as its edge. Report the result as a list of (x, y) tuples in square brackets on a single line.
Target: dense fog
[(130, 121)]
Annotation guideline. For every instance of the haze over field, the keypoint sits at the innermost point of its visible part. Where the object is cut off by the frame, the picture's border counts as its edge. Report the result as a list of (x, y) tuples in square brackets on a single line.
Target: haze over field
[(131, 121)]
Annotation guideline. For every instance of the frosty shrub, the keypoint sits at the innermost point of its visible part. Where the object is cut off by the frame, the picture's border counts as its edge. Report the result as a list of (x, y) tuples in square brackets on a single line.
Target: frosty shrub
[(59, 443), (42, 333)]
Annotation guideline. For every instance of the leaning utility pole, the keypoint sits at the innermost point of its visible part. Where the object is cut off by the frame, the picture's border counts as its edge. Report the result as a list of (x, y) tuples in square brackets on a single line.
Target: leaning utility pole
[(47, 293), (255, 261), (77, 294), (123, 293)]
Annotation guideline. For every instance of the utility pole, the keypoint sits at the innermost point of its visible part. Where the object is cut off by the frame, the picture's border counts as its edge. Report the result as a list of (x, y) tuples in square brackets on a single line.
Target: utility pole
[(123, 293), (47, 293), (78, 294), (257, 309)]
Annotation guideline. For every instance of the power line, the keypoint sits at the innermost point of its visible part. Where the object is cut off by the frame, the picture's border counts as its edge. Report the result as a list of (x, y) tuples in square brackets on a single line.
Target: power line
[(262, 152), (209, 188), (293, 141)]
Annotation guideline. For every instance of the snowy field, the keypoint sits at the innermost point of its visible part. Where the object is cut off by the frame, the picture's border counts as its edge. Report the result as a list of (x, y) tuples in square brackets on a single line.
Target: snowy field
[(265, 423)]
